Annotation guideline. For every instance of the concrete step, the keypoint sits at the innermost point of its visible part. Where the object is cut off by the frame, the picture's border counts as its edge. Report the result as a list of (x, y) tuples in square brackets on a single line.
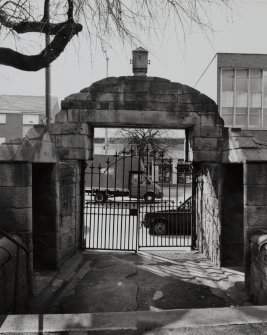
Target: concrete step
[(180, 321)]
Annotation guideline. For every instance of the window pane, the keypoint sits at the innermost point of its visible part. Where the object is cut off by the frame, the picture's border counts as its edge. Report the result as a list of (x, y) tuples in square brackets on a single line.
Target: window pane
[(255, 84), (2, 140), (265, 118), (241, 110), (242, 84), (255, 118), (255, 73), (227, 115), (229, 73), (241, 118), (255, 99), (265, 84), (241, 99), (227, 83), (227, 99), (2, 118), (30, 119), (228, 120), (228, 110), (242, 73)]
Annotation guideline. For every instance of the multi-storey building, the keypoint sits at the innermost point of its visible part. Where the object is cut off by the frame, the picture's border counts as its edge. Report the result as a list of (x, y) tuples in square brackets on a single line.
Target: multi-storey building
[(18, 113), (242, 90)]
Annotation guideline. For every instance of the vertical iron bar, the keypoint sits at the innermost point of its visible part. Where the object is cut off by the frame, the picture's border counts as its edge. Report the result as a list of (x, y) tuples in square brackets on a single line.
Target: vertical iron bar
[(155, 208), (184, 213), (176, 206), (118, 205), (107, 214), (170, 213), (122, 204), (114, 201), (138, 202), (98, 209), (91, 204), (130, 198), (162, 162)]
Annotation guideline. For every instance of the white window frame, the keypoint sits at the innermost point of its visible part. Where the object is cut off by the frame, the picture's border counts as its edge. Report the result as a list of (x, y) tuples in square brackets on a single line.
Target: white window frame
[(2, 118), (26, 122), (248, 126)]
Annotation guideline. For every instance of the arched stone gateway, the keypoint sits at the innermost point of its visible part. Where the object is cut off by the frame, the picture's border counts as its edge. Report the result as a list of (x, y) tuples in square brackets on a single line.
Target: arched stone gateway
[(151, 102)]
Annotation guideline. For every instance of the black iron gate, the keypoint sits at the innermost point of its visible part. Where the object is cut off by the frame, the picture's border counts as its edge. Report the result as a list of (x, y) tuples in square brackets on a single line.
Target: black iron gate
[(136, 200)]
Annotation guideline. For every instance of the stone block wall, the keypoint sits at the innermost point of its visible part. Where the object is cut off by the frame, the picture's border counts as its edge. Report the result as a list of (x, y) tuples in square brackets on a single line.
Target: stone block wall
[(71, 137), (70, 208), (258, 269), (56, 212), (255, 206), (13, 277), (16, 200), (208, 225)]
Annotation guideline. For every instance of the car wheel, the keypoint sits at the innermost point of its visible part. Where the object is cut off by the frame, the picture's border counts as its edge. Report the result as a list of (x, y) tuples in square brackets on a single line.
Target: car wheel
[(100, 197), (149, 198), (160, 228)]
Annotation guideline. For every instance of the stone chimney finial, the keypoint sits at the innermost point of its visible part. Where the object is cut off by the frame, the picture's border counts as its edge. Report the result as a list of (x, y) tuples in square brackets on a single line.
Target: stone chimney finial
[(140, 61)]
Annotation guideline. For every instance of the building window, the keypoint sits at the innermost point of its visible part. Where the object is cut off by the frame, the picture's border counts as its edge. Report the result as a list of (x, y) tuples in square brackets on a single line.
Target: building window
[(30, 119), (243, 101), (2, 140), (2, 119)]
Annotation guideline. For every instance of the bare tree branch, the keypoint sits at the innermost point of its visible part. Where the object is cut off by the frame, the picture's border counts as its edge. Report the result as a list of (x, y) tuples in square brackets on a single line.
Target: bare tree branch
[(104, 19), (23, 62), (63, 34)]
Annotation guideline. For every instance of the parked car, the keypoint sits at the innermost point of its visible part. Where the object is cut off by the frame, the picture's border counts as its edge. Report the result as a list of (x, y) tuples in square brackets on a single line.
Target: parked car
[(174, 221)]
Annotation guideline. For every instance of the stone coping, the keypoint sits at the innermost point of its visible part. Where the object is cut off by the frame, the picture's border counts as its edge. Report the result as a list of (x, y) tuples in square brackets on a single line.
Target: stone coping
[(169, 319)]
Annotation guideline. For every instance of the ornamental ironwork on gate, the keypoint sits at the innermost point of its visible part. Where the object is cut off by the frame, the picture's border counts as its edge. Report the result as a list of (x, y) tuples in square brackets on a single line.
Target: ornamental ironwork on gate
[(136, 200)]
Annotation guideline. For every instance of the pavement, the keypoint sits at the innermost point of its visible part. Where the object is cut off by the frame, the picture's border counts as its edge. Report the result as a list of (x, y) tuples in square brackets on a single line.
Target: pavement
[(155, 281), (161, 293)]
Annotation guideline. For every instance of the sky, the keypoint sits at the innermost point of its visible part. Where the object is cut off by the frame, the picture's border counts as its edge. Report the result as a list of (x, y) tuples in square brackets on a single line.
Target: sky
[(241, 30)]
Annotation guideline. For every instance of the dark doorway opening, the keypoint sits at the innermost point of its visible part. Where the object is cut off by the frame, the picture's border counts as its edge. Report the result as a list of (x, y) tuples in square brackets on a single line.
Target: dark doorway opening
[(44, 215), (232, 216)]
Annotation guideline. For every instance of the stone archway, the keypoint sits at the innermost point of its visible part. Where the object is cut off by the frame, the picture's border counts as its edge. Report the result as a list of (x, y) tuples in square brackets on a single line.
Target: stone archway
[(151, 102), (144, 102)]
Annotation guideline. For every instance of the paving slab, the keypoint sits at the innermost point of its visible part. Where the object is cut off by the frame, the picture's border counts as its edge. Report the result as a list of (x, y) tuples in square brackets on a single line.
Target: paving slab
[(121, 282), (238, 320)]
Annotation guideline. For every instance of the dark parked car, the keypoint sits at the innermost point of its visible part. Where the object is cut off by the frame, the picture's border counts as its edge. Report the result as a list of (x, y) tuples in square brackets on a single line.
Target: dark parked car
[(174, 221)]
